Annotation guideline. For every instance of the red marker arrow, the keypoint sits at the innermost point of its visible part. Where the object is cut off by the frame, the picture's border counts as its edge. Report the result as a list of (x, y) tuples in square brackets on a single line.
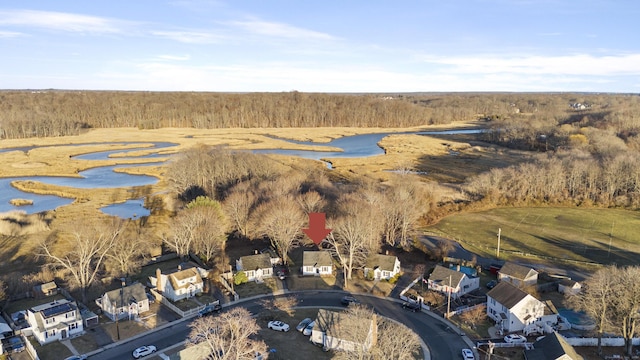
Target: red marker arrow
[(317, 231)]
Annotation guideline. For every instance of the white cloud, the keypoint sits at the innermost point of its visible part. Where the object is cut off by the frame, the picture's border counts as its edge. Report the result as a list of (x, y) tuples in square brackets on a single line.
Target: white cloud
[(281, 30), (581, 64), (174, 57), (10, 34), (59, 21), (190, 37)]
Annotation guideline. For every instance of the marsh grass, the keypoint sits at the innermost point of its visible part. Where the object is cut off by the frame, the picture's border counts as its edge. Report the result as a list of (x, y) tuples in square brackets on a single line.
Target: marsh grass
[(573, 235)]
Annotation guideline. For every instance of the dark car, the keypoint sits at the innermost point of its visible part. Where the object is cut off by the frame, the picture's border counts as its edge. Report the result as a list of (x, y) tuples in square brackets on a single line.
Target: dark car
[(347, 300), (415, 307), (491, 284), (210, 309)]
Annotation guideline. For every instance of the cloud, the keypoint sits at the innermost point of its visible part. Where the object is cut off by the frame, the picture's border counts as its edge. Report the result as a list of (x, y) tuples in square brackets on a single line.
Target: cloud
[(281, 30), (60, 21), (174, 57), (190, 37), (580, 64), (10, 34)]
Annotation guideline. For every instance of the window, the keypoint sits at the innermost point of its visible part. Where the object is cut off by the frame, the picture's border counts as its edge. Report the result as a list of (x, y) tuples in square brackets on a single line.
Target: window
[(73, 326), (48, 321), (325, 269)]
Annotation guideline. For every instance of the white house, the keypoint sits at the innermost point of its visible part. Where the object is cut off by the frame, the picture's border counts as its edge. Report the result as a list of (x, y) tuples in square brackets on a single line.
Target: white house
[(568, 286), (334, 331), (317, 263), (125, 303), (447, 280), (256, 267), (180, 284), (518, 275), (552, 347), (57, 320), (514, 310), (384, 267)]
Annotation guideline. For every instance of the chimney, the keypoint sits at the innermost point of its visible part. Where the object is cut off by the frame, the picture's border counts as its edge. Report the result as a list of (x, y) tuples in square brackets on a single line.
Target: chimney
[(386, 252), (256, 252), (458, 267), (159, 280), (180, 267)]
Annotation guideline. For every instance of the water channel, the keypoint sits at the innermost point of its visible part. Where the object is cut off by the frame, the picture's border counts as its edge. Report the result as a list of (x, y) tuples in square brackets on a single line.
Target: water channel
[(105, 177)]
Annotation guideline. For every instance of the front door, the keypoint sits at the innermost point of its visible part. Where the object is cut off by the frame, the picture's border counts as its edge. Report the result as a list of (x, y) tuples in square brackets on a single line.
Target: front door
[(63, 334)]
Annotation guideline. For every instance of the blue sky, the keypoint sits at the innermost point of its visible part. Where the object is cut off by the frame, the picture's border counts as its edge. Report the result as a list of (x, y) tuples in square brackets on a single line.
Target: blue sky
[(321, 46)]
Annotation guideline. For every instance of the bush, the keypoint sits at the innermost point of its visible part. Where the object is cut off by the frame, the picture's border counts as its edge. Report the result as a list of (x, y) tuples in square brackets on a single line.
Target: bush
[(394, 279), (240, 278), (369, 275)]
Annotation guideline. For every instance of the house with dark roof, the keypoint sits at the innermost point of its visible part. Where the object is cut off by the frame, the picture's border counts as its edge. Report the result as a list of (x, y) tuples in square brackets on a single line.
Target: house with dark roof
[(518, 275), (183, 283), (384, 267), (256, 267), (568, 286), (318, 263), (447, 281), (56, 320), (124, 303), (514, 310), (334, 330), (552, 347)]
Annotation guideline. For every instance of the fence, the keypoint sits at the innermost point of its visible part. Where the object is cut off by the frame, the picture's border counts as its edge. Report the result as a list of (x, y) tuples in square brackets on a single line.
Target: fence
[(418, 299), (606, 341), (464, 309), (167, 303), (224, 280), (30, 349)]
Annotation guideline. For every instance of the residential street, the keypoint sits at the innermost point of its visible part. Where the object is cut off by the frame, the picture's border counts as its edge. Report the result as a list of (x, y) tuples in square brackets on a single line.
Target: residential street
[(443, 341)]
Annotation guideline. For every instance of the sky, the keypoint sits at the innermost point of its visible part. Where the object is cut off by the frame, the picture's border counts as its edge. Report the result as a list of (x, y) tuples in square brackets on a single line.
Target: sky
[(321, 46)]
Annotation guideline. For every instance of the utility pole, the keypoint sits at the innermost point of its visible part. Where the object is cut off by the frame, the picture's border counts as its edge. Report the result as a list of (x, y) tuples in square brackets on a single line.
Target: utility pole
[(610, 234), (449, 300), (498, 249)]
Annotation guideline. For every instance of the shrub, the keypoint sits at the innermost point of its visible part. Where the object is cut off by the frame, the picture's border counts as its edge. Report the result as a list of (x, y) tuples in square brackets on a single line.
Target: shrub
[(240, 278), (394, 279)]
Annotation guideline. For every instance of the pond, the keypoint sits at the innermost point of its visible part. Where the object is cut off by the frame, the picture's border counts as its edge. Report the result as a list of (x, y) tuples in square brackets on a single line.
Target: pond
[(105, 177)]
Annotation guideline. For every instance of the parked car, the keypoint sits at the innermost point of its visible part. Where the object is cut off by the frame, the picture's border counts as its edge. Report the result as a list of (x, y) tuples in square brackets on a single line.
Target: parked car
[(278, 325), (151, 298), (76, 357), (347, 300), (210, 309), (303, 324), (415, 307), (491, 284), (467, 354), (143, 351), (308, 329), (515, 339)]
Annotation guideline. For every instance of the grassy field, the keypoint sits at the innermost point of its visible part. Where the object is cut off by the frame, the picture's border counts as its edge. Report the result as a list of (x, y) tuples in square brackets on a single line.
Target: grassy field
[(570, 235)]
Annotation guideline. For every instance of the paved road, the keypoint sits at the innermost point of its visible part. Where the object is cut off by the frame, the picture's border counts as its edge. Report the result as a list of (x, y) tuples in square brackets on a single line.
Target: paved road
[(443, 341)]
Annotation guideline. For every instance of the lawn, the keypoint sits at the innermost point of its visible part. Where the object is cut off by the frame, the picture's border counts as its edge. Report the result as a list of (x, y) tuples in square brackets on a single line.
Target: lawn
[(28, 303), (253, 288), (569, 235), (52, 351), (311, 283), (126, 329)]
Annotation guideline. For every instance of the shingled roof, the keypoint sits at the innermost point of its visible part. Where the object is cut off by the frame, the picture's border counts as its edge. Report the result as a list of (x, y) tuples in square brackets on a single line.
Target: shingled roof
[(552, 346), (516, 271), (383, 262), (135, 291), (441, 274), (316, 258), (507, 294), (253, 262)]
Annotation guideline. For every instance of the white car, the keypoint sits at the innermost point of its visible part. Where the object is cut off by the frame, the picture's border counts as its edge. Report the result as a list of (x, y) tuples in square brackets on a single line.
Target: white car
[(144, 351), (308, 329), (515, 339), (303, 324), (467, 354), (278, 326)]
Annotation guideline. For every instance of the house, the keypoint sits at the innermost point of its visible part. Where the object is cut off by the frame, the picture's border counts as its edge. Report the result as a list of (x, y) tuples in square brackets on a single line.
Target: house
[(552, 347), (5, 330), (46, 289), (568, 286), (514, 310), (384, 267), (256, 267), (337, 331), (124, 303), (447, 281), (317, 263), (518, 275), (57, 320), (179, 284)]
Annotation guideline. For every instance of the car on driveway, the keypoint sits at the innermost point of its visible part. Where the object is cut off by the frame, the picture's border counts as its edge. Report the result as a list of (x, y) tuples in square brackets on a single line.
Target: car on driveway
[(467, 354), (415, 307), (348, 300), (303, 324), (210, 309), (515, 339), (278, 325), (143, 351), (491, 284), (309, 328)]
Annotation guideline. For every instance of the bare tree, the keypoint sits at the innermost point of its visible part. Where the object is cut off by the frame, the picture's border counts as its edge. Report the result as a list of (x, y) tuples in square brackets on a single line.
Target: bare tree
[(84, 253), (210, 225), (124, 256), (625, 304), (278, 306), (281, 221), (595, 298), (359, 324), (238, 206), (230, 335), (474, 316), (311, 201), (354, 235), (396, 341)]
